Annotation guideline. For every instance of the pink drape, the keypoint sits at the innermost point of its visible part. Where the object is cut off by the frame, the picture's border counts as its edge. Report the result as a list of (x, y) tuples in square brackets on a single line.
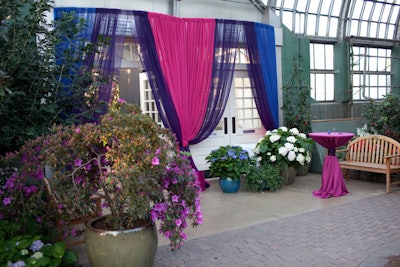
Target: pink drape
[(185, 48)]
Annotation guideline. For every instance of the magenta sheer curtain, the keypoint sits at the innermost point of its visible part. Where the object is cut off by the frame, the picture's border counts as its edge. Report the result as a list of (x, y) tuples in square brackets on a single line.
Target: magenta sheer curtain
[(185, 49)]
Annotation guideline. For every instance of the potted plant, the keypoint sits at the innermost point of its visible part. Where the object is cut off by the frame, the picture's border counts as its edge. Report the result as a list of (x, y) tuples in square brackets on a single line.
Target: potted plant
[(229, 163), (285, 148), (133, 165), (263, 177)]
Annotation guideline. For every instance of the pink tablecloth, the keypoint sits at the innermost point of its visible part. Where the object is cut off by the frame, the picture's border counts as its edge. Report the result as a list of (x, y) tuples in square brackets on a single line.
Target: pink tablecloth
[(332, 178)]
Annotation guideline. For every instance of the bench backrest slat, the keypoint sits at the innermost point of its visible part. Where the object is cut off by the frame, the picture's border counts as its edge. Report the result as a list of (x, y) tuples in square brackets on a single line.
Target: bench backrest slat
[(373, 149)]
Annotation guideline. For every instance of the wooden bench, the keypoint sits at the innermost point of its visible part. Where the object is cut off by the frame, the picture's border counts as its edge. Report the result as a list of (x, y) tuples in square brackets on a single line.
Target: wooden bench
[(373, 153)]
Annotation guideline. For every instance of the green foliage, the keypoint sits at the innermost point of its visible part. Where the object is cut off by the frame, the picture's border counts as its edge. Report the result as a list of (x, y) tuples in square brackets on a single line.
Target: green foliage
[(40, 83), (383, 117), (28, 250), (229, 162), (264, 177), (296, 102)]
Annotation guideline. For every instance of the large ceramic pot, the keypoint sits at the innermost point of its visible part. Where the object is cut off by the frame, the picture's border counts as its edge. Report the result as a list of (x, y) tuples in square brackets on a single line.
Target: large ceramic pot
[(229, 185), (288, 175), (130, 248)]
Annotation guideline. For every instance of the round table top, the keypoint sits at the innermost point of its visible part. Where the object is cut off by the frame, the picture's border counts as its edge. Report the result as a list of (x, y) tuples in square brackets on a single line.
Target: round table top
[(331, 139)]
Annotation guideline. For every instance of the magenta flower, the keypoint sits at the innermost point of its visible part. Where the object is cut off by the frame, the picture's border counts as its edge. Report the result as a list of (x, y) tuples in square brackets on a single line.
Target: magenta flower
[(155, 161), (121, 100), (178, 222)]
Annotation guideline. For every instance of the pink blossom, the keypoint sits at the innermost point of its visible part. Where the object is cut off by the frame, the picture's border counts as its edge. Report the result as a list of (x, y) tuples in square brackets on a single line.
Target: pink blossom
[(121, 100), (155, 161), (183, 235), (77, 130)]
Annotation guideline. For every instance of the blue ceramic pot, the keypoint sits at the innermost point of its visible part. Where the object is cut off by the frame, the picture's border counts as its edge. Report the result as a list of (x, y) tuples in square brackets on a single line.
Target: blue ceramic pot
[(229, 185)]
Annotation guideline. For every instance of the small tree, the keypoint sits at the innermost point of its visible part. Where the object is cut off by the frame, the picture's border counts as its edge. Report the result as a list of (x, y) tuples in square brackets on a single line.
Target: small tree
[(296, 102), (383, 117), (41, 82)]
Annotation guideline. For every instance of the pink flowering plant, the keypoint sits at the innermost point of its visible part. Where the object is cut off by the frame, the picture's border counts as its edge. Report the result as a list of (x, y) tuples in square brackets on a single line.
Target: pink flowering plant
[(134, 165), (284, 147)]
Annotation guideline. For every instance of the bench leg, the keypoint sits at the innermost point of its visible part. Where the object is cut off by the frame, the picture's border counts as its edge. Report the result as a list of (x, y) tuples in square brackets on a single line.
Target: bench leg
[(346, 174), (388, 182)]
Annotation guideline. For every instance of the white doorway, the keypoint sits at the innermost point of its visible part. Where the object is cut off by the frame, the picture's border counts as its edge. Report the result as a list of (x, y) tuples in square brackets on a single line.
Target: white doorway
[(240, 124)]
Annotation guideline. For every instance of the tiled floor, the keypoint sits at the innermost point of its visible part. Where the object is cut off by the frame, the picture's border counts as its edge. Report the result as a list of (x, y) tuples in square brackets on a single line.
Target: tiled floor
[(264, 229)]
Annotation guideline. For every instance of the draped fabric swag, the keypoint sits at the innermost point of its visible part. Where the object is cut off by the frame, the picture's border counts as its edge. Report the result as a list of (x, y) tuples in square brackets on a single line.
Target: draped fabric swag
[(189, 63)]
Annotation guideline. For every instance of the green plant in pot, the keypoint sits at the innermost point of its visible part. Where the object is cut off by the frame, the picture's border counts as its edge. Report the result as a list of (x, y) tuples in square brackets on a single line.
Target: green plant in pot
[(229, 163), (133, 165), (263, 177)]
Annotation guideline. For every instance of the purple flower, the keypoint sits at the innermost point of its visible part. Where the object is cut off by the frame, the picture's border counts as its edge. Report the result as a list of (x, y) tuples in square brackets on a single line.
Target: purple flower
[(78, 162), (18, 264), (88, 167), (7, 201), (36, 245), (175, 198), (121, 100)]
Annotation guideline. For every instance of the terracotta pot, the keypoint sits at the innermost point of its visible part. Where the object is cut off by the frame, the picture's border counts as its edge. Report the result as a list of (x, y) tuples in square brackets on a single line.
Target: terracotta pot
[(128, 248)]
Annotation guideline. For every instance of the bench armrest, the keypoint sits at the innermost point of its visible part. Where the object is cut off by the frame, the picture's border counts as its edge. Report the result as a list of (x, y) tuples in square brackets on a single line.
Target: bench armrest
[(341, 150), (392, 156)]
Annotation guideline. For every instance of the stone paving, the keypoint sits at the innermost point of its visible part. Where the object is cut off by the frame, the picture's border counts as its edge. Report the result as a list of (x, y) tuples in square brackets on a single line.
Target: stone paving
[(363, 233)]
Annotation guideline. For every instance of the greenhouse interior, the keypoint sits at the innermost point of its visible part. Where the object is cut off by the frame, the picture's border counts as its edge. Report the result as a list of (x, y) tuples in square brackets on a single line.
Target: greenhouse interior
[(139, 109)]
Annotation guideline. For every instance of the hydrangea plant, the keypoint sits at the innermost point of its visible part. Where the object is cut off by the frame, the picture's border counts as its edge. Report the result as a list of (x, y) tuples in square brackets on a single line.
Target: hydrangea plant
[(134, 165), (229, 162), (283, 146)]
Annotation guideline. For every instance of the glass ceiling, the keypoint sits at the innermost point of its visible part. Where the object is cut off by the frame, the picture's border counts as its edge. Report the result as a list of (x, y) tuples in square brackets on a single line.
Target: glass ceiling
[(370, 21)]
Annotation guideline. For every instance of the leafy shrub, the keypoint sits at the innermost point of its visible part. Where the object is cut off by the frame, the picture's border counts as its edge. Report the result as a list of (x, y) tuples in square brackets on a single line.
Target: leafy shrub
[(264, 177)]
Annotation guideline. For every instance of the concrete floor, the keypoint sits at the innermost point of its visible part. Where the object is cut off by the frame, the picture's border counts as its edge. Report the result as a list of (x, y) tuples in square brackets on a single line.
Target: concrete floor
[(224, 212)]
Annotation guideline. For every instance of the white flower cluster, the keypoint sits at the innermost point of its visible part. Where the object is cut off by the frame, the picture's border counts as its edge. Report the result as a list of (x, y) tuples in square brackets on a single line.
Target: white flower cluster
[(289, 149)]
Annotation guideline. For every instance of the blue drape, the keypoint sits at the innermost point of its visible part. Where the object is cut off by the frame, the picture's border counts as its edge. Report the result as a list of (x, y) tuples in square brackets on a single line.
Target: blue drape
[(264, 88)]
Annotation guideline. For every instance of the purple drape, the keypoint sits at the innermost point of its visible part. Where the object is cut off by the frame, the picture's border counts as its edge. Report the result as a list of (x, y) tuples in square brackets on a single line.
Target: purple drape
[(148, 55), (226, 40), (262, 71)]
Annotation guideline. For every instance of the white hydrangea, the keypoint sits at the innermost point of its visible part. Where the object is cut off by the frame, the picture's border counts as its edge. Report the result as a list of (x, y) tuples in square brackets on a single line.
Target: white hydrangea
[(296, 149), (291, 156), (259, 159), (291, 139), (267, 133), (302, 150), (300, 159), (283, 151), (269, 153), (302, 135), (274, 137), (308, 158), (294, 131), (283, 128), (289, 146), (272, 158)]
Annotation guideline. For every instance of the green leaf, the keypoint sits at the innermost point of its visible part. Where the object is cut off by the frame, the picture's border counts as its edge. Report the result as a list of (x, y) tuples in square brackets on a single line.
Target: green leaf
[(70, 257), (59, 250)]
